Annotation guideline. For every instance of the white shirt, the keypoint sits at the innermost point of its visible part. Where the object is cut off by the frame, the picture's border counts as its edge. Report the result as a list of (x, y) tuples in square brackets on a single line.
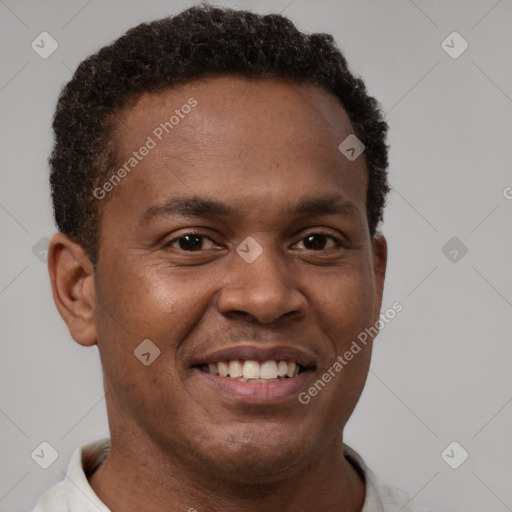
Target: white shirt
[(74, 494)]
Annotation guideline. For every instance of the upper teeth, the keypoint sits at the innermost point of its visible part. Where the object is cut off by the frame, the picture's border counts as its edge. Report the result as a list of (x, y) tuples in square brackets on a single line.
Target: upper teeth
[(254, 369)]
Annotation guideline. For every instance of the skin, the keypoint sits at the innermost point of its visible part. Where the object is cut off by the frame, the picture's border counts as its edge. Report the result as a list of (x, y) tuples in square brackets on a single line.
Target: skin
[(257, 146)]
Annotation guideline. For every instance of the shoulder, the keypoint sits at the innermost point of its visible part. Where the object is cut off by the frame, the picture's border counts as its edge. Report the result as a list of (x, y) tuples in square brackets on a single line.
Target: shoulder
[(380, 498), (52, 500), (74, 491), (395, 500)]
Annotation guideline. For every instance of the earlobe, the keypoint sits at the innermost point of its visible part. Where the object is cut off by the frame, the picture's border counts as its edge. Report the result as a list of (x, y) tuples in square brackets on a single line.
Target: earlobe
[(72, 279)]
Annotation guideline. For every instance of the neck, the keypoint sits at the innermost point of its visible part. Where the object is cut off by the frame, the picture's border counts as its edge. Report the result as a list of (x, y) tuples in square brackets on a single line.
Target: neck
[(135, 466)]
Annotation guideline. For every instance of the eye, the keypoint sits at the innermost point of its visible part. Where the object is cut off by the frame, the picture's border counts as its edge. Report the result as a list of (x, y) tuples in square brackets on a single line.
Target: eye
[(320, 241), (188, 242)]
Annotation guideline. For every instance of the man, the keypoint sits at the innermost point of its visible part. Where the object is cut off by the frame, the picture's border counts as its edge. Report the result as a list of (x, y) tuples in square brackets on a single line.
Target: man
[(218, 179)]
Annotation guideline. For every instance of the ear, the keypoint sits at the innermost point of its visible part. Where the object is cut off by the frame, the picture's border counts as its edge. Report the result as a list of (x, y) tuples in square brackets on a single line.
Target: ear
[(72, 279), (380, 258)]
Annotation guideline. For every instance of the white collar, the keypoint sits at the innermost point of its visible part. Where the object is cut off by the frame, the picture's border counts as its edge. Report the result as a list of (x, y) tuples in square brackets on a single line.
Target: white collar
[(80, 497)]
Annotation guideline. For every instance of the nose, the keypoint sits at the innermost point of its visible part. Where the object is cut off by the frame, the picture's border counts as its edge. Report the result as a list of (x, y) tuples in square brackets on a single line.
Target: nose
[(264, 290)]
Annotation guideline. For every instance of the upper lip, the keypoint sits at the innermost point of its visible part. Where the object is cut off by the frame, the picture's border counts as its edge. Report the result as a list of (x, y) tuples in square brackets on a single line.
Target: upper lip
[(248, 352)]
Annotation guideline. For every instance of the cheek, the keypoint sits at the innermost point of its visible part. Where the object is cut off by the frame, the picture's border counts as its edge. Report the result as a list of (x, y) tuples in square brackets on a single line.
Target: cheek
[(156, 304), (345, 306), (345, 313), (145, 302), (151, 395), (347, 319)]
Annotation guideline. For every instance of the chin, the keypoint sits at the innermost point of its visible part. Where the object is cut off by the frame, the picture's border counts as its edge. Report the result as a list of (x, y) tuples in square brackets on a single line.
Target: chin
[(249, 454)]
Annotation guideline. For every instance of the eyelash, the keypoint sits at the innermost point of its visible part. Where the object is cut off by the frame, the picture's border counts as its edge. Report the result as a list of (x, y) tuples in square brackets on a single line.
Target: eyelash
[(338, 241)]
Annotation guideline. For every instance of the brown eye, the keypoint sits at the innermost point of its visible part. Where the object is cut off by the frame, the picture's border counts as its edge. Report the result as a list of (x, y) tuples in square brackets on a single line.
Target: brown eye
[(190, 242), (318, 241)]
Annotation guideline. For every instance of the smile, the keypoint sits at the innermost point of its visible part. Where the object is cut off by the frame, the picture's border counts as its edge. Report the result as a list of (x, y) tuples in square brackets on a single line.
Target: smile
[(256, 374), (254, 371)]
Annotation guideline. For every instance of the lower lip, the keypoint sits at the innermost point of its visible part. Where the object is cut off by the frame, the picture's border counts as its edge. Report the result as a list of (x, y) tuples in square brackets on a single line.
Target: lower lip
[(257, 392)]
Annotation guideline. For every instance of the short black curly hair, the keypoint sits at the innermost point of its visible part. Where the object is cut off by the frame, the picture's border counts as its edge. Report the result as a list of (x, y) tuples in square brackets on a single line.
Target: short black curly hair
[(199, 42)]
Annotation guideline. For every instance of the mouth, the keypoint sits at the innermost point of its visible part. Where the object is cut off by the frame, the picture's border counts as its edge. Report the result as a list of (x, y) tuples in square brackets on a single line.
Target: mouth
[(254, 371), (260, 375)]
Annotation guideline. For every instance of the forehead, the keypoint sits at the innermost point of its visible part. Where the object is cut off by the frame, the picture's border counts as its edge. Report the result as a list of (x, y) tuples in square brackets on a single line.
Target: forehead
[(243, 138), (227, 97)]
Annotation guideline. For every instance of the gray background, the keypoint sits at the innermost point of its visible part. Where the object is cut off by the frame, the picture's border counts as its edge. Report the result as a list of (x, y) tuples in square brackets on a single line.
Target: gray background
[(441, 370)]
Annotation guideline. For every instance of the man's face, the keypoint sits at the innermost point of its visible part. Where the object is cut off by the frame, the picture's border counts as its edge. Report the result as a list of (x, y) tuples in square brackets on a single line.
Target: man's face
[(266, 153)]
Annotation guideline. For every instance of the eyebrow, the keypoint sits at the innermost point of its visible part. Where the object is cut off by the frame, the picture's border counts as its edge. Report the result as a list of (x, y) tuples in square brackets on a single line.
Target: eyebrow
[(196, 206), (325, 205), (187, 206)]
